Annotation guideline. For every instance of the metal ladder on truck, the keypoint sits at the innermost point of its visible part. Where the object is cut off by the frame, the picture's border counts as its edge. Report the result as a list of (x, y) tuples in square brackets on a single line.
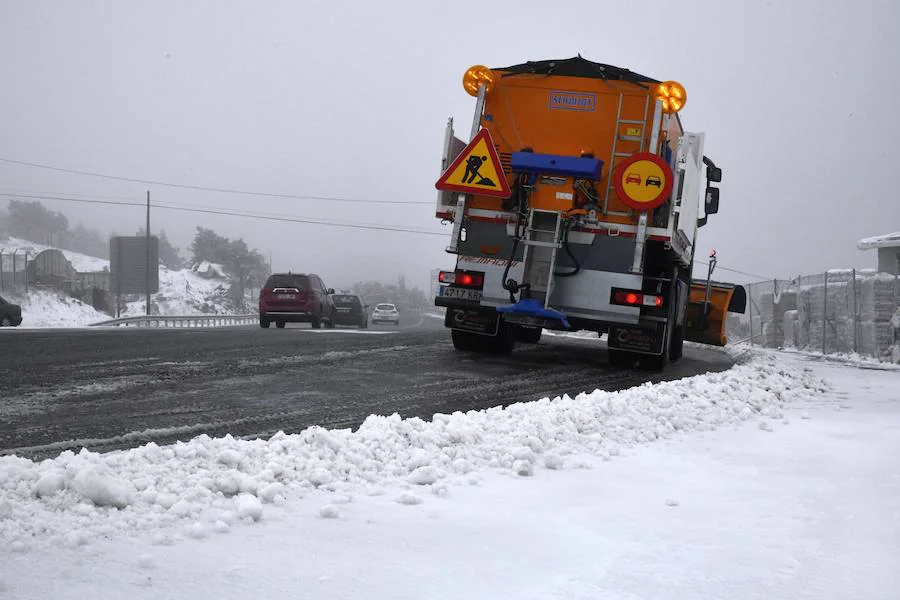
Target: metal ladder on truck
[(543, 233), (542, 242), (618, 137)]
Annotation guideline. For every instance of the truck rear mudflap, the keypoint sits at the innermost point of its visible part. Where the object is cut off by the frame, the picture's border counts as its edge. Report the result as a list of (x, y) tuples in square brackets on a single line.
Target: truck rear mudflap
[(707, 311), (473, 320), (644, 338)]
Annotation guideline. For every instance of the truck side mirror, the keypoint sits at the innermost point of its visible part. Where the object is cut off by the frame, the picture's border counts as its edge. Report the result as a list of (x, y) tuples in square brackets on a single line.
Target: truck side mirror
[(713, 173), (711, 204)]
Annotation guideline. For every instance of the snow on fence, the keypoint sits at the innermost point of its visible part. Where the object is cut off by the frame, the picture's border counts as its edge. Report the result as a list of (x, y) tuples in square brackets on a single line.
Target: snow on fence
[(840, 311)]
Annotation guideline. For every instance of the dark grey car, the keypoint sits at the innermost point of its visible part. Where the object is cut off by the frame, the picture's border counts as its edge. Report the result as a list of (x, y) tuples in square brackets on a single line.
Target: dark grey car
[(350, 309)]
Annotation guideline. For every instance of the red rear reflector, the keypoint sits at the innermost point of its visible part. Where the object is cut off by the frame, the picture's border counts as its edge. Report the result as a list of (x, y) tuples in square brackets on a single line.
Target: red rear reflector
[(635, 299), (460, 278)]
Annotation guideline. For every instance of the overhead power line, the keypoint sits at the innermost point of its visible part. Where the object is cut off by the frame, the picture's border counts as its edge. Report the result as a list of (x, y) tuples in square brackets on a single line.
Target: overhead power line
[(212, 189), (234, 213), (706, 264), (196, 208)]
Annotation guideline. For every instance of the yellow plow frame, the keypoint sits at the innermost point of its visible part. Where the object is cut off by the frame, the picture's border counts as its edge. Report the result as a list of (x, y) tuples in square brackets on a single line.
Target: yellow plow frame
[(708, 308)]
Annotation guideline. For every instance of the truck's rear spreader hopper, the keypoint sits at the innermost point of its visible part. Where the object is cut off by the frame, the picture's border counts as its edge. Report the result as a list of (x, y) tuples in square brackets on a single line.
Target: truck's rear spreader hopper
[(575, 205)]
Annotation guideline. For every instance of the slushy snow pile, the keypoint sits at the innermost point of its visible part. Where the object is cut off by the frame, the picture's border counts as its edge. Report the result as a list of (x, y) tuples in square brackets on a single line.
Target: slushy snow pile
[(205, 485)]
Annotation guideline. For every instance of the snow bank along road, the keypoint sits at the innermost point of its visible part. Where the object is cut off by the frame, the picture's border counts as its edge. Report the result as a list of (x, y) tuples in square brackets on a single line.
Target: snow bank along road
[(775, 479), (112, 389)]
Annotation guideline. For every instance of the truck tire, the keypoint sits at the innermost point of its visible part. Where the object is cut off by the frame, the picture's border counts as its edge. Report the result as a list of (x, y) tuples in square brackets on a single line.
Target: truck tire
[(528, 335), (465, 341), (676, 350), (676, 344), (316, 323), (655, 364), (622, 359), (264, 323), (279, 324), (502, 343)]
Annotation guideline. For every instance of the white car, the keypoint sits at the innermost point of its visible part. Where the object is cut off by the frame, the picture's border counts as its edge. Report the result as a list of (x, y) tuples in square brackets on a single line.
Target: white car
[(386, 313)]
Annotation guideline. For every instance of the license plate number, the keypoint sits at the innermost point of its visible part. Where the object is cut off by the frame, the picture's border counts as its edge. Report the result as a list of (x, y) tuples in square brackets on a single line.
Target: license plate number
[(461, 294), (287, 296)]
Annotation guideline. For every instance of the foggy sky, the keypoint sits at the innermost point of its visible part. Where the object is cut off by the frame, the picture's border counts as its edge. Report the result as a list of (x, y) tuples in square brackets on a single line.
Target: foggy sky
[(350, 99)]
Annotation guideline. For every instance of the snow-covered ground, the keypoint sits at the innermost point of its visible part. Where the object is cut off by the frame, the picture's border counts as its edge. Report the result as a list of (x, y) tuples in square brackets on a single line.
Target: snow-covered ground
[(184, 292), (776, 479), (43, 308), (181, 292)]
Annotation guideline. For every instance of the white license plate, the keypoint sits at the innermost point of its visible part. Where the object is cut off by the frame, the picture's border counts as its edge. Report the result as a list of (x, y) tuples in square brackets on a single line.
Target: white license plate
[(343, 310), (461, 294), (287, 296)]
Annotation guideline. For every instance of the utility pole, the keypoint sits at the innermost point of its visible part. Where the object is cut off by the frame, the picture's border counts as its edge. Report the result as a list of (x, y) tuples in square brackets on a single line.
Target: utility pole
[(148, 253)]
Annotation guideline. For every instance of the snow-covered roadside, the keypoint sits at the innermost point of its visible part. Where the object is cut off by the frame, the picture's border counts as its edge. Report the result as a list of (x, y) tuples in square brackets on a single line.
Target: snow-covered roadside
[(77, 498), (42, 308), (761, 483)]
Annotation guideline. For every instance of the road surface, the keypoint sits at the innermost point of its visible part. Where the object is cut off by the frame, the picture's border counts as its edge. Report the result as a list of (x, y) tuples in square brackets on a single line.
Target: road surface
[(107, 389)]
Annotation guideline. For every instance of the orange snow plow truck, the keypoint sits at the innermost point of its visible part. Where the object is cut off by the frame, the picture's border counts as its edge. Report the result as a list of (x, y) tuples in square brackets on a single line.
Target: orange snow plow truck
[(575, 205)]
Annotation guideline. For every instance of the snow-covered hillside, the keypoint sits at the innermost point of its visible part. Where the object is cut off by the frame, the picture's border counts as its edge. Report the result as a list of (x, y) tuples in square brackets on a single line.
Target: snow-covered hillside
[(80, 262), (184, 292), (181, 292)]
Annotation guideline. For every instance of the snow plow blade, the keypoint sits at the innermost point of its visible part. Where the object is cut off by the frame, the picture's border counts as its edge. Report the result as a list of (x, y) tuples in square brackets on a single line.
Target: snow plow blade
[(709, 305)]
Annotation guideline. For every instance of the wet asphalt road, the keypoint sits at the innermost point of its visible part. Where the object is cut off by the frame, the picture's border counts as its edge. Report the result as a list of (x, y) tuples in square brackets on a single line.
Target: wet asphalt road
[(117, 388)]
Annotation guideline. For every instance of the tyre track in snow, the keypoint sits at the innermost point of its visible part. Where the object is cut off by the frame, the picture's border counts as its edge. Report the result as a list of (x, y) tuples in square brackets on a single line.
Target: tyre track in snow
[(116, 389)]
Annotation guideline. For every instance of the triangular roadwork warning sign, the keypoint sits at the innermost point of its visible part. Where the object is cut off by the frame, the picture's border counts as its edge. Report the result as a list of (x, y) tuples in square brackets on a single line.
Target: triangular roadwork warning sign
[(477, 170)]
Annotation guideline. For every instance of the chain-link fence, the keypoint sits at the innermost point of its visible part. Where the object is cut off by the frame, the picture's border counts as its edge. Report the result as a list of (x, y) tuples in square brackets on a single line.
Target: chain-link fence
[(840, 311)]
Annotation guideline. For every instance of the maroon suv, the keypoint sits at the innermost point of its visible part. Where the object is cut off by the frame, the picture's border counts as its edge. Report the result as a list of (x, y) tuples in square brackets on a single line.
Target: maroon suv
[(295, 298)]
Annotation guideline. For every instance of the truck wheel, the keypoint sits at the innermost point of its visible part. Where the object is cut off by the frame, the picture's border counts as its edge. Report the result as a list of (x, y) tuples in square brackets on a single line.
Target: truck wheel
[(279, 324), (316, 323), (654, 363), (264, 323), (677, 347), (528, 335), (465, 341), (503, 342), (621, 359)]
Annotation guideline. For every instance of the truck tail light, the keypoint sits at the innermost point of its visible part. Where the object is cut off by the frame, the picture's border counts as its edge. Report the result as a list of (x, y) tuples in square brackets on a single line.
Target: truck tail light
[(462, 278), (637, 299)]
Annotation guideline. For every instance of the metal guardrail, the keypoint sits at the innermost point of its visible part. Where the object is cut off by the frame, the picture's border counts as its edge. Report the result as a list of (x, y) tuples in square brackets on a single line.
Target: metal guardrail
[(180, 321)]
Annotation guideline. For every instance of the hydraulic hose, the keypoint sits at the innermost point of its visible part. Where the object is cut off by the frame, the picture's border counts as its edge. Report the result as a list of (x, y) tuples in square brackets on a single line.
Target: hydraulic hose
[(511, 285), (568, 250)]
